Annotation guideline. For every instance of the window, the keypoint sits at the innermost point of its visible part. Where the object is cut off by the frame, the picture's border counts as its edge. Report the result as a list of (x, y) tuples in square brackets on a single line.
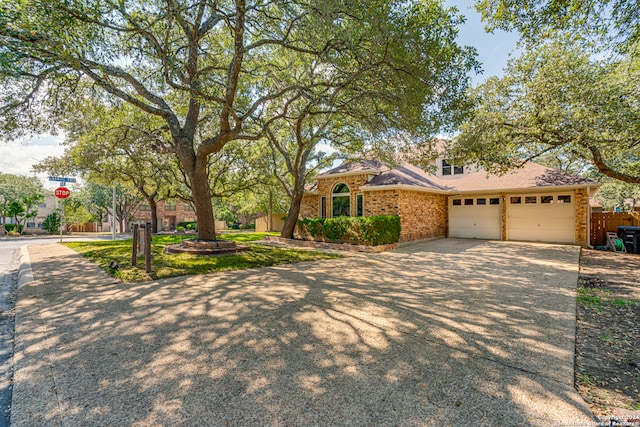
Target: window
[(341, 200), (516, 200), (530, 199), (446, 167), (323, 207), (359, 205), (169, 206), (481, 202), (546, 199), (457, 202), (145, 207), (564, 199), (188, 207), (468, 202), (494, 201), (42, 205)]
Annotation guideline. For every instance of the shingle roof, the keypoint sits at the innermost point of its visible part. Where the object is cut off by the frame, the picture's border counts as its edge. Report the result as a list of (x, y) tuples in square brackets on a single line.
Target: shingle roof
[(408, 175), (531, 175), (374, 166)]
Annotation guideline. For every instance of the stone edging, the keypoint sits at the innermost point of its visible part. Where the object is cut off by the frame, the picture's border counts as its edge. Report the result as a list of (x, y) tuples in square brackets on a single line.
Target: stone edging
[(336, 246)]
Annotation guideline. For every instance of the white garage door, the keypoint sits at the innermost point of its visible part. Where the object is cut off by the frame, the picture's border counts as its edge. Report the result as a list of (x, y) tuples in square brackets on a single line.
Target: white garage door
[(475, 217), (548, 217)]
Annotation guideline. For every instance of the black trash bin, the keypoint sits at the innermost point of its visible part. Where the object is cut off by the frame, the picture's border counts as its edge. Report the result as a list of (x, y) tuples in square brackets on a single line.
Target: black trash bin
[(631, 238)]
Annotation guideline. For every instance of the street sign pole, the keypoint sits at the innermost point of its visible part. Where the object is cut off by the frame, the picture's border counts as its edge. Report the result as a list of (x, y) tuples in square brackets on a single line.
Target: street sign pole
[(61, 202)]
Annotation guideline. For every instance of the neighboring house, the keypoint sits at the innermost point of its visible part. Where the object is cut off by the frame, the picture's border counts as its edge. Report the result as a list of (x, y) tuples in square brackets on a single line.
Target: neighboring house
[(170, 214), (47, 207), (533, 203), (596, 206)]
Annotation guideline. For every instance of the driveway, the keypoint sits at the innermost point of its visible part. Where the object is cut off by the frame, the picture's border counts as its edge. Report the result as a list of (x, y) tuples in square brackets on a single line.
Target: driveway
[(447, 333)]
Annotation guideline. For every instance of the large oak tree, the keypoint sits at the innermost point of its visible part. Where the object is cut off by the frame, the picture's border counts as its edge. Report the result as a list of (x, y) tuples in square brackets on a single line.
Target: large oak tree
[(614, 22), (558, 99), (209, 68)]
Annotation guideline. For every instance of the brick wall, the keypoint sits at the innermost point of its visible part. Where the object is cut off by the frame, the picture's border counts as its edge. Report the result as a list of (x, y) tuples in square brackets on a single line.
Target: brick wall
[(326, 186), (384, 202), (582, 206), (182, 213), (422, 215), (309, 206)]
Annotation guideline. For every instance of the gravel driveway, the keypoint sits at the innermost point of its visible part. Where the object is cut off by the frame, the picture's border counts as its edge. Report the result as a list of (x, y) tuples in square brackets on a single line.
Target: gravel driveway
[(446, 333)]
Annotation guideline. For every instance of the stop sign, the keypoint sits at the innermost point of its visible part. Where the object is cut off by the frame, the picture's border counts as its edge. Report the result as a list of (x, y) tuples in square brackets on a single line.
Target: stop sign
[(62, 192)]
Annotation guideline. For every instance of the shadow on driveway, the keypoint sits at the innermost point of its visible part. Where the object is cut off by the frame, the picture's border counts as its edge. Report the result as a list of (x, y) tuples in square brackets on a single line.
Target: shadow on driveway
[(450, 332)]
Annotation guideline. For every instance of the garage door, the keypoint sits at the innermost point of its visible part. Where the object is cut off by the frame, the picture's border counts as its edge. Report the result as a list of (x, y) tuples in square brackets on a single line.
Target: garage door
[(476, 217), (548, 217)]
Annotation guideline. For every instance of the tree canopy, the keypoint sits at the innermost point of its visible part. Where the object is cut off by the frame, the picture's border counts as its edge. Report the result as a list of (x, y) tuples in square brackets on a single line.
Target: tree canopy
[(208, 70), (616, 22), (557, 99), (19, 197)]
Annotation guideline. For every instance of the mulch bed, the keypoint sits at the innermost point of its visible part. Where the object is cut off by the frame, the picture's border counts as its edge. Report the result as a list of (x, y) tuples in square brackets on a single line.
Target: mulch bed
[(608, 334)]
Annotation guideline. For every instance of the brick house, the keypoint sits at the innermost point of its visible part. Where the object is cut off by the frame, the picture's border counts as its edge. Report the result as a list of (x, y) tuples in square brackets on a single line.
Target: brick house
[(170, 214), (533, 203)]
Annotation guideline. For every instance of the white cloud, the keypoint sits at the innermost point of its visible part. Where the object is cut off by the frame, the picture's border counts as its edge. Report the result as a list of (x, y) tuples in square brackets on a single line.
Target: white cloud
[(19, 157)]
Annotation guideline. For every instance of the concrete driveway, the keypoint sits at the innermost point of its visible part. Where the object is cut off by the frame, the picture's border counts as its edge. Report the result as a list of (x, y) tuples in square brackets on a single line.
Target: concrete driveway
[(446, 333)]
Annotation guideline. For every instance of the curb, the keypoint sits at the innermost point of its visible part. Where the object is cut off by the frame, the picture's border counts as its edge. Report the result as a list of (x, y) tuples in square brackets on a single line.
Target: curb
[(25, 273)]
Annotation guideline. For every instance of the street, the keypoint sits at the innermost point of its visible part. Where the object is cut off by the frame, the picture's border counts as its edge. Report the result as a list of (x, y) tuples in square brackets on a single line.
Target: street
[(9, 259)]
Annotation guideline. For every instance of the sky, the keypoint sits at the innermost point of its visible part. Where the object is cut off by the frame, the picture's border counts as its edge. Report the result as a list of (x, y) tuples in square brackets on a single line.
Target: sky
[(493, 52)]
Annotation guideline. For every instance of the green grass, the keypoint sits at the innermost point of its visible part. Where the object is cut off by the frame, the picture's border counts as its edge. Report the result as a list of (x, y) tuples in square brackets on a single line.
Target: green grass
[(597, 299), (623, 303), (170, 265), (591, 298)]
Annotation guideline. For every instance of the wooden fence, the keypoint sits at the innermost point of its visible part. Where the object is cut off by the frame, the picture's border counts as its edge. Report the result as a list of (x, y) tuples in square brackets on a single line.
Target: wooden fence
[(602, 222), (90, 227)]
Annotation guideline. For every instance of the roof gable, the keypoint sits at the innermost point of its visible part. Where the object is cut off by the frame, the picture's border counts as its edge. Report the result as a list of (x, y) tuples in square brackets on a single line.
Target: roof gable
[(352, 168), (530, 175), (408, 175)]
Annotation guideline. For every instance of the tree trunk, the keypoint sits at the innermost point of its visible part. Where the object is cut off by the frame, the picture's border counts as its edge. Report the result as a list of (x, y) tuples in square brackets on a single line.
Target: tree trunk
[(202, 202), (270, 210), (292, 216), (154, 214)]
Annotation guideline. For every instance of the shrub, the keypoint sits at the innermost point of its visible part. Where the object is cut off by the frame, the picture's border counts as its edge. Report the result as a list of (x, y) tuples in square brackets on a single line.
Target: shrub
[(368, 230), (52, 222), (17, 228), (187, 225), (311, 228), (247, 226), (340, 229)]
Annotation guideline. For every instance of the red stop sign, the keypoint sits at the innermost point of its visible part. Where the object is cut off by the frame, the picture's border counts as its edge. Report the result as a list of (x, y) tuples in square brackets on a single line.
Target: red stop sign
[(62, 192)]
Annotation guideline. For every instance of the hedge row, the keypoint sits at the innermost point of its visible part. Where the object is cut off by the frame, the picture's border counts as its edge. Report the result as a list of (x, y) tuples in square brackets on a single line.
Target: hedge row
[(361, 230)]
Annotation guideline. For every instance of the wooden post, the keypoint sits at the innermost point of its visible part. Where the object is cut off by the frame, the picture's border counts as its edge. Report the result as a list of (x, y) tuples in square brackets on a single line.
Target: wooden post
[(141, 240), (147, 247), (134, 249)]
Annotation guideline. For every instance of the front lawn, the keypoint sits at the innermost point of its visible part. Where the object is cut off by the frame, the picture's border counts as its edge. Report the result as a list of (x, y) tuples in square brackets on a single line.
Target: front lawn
[(170, 265)]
